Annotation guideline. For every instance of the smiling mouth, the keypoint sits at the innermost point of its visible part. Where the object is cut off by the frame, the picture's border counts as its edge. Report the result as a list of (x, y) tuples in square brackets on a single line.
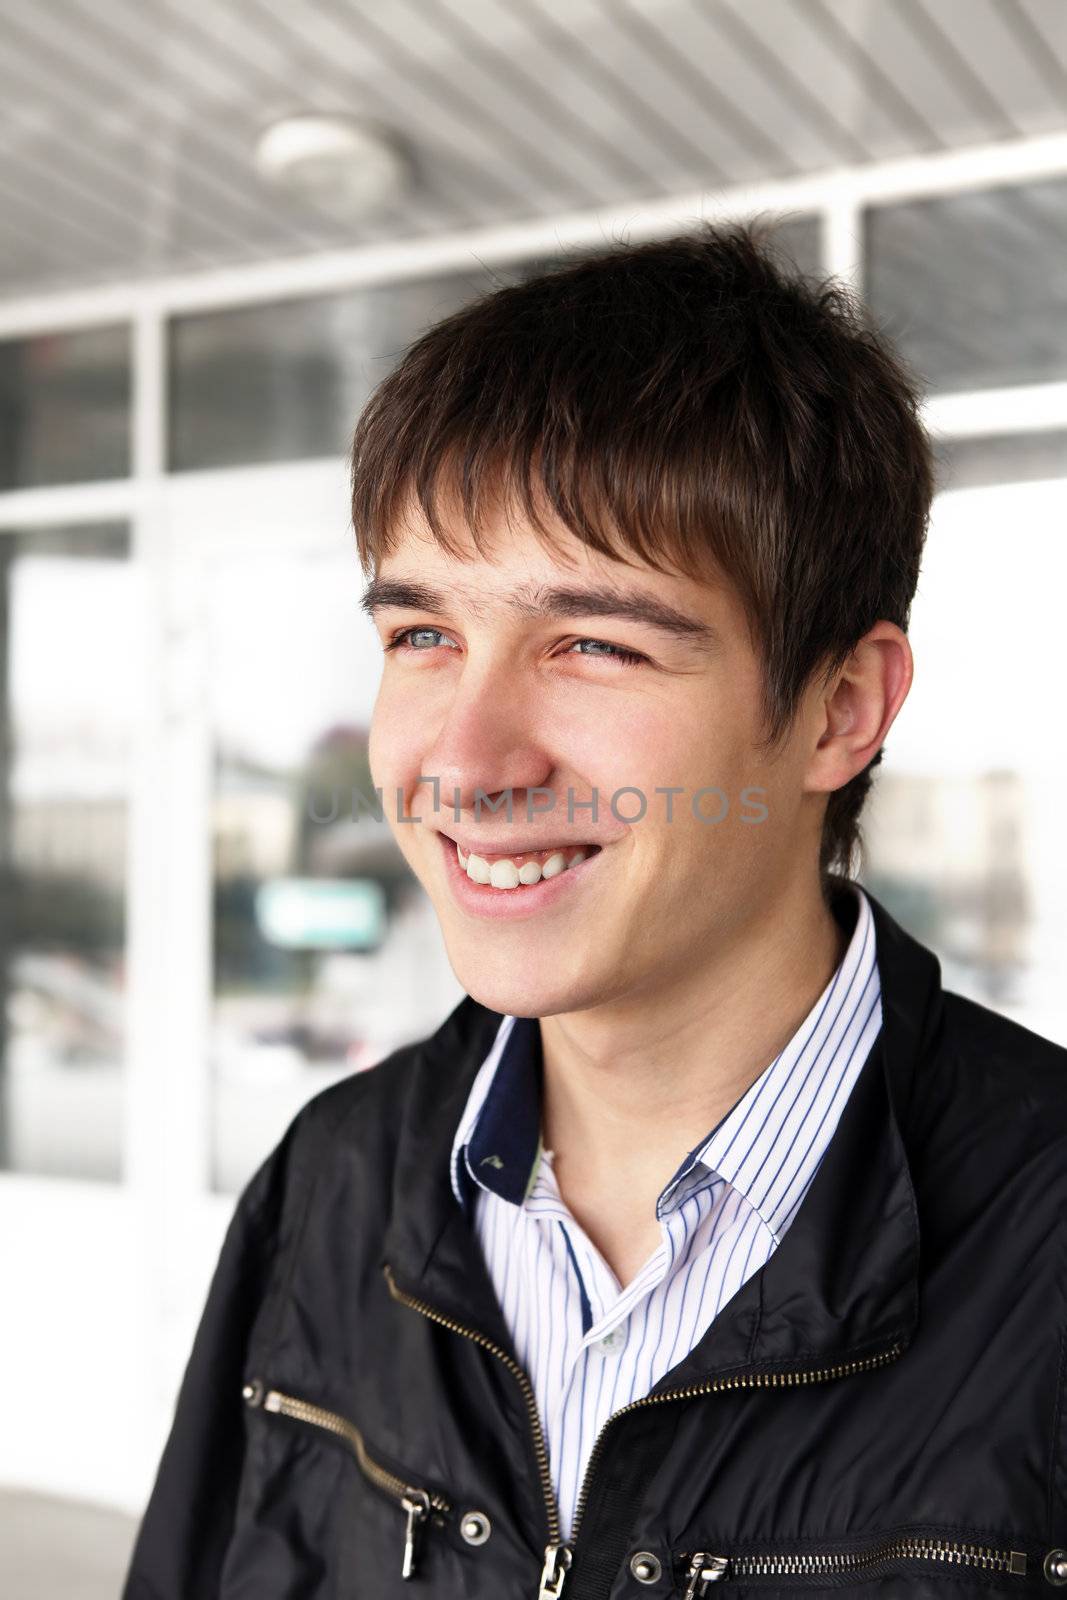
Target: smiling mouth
[(523, 869)]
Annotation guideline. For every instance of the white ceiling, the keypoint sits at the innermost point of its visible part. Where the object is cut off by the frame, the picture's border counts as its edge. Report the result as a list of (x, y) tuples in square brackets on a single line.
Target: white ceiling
[(127, 126)]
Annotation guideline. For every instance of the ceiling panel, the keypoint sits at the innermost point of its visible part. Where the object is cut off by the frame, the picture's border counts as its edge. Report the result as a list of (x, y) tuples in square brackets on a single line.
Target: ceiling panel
[(127, 126)]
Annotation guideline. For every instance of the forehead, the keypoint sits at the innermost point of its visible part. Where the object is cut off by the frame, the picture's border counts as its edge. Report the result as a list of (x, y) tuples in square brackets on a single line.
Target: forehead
[(512, 565)]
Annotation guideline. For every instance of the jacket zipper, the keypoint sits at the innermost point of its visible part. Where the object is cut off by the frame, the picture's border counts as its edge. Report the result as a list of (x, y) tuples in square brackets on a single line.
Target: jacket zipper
[(416, 1503), (705, 1569), (559, 1554)]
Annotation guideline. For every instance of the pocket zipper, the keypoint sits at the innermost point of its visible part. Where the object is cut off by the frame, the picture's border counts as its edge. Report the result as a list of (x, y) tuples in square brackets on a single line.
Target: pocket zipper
[(416, 1503), (703, 1569)]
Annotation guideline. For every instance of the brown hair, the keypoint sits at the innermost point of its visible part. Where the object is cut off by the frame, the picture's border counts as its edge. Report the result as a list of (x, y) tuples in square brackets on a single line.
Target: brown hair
[(694, 402)]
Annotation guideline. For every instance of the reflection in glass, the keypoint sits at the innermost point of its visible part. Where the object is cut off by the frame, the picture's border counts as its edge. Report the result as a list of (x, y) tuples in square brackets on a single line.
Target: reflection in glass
[(287, 381), (327, 952), (65, 408), (971, 285), (67, 636), (964, 827)]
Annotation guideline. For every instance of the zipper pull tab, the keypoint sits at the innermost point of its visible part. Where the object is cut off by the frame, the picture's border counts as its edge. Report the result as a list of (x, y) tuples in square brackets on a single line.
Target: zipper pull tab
[(702, 1570), (557, 1564), (417, 1506)]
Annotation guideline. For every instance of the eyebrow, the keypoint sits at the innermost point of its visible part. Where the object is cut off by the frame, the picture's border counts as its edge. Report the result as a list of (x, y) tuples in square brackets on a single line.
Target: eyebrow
[(549, 601)]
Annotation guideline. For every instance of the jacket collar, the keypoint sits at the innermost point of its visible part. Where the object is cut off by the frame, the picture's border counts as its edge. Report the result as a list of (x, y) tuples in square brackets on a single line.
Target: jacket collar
[(843, 1283)]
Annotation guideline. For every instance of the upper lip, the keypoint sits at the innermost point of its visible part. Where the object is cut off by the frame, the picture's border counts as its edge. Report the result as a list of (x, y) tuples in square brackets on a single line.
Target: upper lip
[(514, 847)]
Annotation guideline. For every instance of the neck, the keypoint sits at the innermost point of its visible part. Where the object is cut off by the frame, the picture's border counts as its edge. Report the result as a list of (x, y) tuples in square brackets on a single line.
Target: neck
[(629, 1087)]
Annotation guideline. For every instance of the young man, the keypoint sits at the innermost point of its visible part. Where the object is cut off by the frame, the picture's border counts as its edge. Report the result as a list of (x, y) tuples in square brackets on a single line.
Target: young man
[(709, 1240)]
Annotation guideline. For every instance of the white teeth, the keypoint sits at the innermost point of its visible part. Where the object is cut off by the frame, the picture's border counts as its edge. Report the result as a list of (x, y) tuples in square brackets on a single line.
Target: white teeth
[(477, 869), (504, 874)]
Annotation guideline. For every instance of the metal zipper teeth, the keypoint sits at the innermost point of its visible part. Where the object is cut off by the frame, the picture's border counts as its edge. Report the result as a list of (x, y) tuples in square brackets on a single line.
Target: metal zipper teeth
[(288, 1405), (512, 1365), (742, 1380), (905, 1546), (737, 1381), (971, 1555)]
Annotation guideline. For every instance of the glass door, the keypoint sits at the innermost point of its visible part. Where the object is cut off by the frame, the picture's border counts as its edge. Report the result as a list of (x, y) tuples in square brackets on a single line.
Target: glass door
[(323, 953)]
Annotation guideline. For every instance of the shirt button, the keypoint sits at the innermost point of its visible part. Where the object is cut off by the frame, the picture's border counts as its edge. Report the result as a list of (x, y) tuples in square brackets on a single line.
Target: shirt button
[(611, 1343)]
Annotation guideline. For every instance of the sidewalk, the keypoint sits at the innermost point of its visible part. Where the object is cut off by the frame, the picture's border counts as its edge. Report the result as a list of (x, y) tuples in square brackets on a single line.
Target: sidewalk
[(61, 1549)]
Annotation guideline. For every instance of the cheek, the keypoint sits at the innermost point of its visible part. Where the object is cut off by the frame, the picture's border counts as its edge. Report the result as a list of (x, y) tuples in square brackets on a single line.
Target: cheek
[(688, 746), (634, 744), (662, 746)]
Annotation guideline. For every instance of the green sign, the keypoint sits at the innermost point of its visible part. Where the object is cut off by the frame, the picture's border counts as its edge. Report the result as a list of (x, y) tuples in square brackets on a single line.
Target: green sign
[(321, 913)]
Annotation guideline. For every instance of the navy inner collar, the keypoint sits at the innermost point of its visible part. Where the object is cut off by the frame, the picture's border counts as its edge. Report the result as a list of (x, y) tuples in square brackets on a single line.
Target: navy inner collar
[(505, 1143)]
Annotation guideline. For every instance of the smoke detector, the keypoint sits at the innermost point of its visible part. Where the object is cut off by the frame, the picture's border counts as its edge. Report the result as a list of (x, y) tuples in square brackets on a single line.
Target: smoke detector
[(338, 163)]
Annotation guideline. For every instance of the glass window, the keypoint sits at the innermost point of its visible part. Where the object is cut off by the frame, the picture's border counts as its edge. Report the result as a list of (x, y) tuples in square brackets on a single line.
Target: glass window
[(964, 827), (327, 952), (65, 402), (1001, 458), (971, 286), (67, 628), (287, 381), (800, 239)]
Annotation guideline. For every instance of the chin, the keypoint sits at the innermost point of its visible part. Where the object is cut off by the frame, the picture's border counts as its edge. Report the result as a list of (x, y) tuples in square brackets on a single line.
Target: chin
[(519, 992)]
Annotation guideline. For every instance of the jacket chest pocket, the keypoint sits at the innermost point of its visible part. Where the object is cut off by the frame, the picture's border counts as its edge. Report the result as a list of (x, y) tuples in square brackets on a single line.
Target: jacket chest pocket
[(701, 1574), (419, 1506)]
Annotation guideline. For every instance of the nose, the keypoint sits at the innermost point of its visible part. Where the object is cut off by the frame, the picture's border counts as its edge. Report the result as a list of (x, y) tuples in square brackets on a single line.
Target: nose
[(493, 739)]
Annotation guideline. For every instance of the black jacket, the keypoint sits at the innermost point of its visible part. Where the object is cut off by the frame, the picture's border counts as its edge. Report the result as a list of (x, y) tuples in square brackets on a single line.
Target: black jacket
[(881, 1410)]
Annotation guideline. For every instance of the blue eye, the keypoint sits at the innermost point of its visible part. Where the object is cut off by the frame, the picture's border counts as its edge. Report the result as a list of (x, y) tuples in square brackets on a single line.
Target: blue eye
[(406, 635), (618, 652)]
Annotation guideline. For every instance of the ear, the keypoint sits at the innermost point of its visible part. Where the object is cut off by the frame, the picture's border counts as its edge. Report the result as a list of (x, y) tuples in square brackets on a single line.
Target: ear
[(853, 713)]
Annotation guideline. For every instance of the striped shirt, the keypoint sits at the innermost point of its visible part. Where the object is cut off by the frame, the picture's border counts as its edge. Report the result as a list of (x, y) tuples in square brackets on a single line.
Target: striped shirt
[(589, 1345)]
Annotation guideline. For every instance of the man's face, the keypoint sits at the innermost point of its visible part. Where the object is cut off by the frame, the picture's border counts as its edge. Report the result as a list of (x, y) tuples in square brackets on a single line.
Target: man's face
[(503, 686)]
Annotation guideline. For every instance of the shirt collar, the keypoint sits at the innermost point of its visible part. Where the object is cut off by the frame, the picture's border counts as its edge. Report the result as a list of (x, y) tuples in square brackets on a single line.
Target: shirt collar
[(498, 1146), (751, 1145)]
